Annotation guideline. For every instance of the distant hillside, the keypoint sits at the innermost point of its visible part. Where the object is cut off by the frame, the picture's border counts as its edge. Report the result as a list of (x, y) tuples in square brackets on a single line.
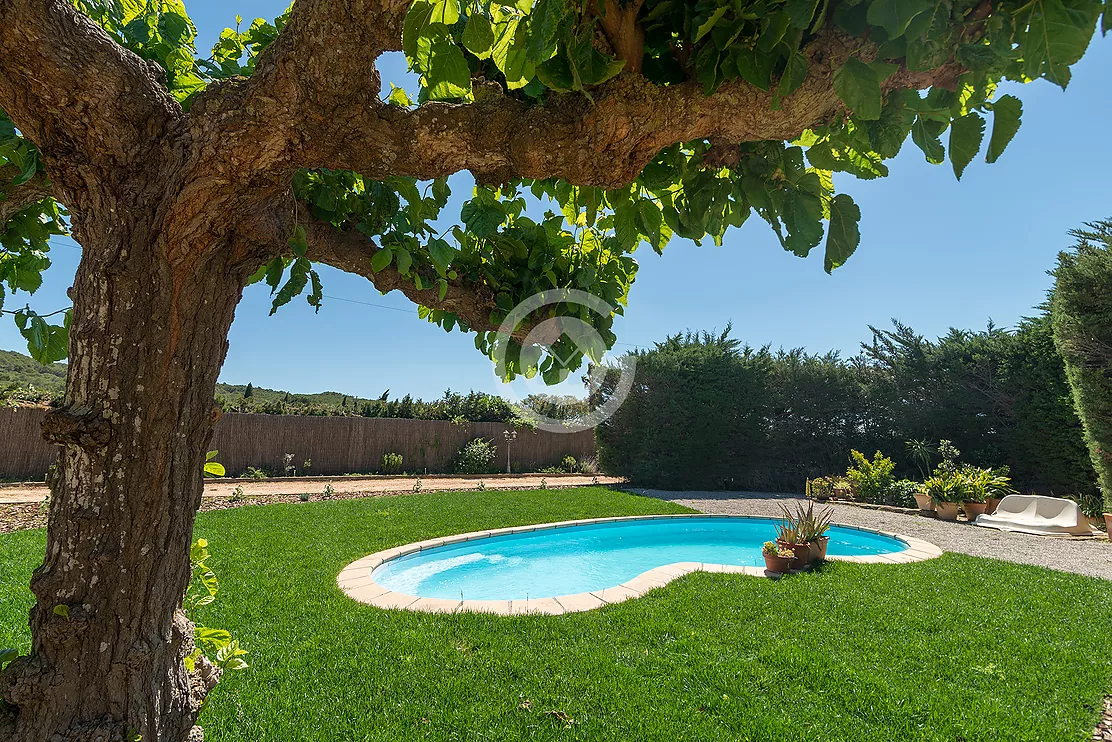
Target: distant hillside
[(261, 396), (18, 370)]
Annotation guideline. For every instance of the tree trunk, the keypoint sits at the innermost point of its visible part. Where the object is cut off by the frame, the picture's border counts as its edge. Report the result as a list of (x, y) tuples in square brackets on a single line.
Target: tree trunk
[(148, 338)]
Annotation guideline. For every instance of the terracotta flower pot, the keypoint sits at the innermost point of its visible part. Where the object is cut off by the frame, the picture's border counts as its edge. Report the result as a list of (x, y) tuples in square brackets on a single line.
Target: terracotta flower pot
[(973, 509), (924, 502), (842, 492), (778, 564), (946, 510), (818, 549), (991, 504), (802, 554), (1108, 524)]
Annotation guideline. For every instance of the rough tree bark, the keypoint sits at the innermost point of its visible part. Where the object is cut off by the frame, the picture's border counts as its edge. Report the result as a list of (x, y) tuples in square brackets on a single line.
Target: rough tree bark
[(148, 340)]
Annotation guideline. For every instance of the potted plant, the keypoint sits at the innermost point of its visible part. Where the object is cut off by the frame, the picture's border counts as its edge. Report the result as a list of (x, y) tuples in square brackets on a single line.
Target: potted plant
[(804, 526), (788, 536), (923, 501), (821, 489), (843, 490), (777, 558), (945, 491), (975, 492)]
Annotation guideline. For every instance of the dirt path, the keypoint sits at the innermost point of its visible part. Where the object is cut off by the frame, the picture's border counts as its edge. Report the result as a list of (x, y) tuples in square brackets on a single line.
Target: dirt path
[(33, 493)]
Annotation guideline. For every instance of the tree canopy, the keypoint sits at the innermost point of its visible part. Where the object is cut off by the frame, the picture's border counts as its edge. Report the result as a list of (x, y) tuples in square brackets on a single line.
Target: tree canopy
[(634, 122)]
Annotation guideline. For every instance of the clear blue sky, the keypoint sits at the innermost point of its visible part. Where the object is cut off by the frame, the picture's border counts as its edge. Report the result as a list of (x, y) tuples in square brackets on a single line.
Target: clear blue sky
[(935, 254)]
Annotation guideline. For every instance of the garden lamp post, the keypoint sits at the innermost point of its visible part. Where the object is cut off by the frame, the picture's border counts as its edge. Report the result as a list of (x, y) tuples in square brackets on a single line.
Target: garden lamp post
[(511, 436)]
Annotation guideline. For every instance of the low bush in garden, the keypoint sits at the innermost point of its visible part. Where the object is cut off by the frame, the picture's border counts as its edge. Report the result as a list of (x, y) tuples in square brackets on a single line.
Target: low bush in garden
[(871, 480), (391, 463), (476, 457)]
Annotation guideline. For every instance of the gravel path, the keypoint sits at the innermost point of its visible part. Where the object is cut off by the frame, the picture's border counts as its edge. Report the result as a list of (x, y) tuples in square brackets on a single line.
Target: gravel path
[(1084, 556)]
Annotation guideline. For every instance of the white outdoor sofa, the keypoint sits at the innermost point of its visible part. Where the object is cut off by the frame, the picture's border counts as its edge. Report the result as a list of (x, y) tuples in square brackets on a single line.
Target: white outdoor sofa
[(1046, 516)]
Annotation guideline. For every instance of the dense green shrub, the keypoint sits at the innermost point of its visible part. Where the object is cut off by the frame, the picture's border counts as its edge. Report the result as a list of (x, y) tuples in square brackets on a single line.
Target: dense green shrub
[(902, 493), (391, 463), (1081, 309), (873, 479), (706, 411), (476, 457)]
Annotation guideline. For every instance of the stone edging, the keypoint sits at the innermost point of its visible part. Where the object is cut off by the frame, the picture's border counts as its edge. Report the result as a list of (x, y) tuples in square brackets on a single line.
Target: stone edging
[(356, 581)]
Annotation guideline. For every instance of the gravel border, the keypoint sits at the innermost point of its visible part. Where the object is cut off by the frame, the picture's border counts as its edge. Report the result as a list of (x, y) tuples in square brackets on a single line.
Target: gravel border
[(1084, 556)]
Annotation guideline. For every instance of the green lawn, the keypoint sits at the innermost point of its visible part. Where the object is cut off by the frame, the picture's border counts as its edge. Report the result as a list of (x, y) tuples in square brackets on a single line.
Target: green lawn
[(952, 649)]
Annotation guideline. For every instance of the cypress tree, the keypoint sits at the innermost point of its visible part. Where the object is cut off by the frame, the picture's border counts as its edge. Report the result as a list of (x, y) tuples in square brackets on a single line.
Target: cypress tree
[(1081, 313)]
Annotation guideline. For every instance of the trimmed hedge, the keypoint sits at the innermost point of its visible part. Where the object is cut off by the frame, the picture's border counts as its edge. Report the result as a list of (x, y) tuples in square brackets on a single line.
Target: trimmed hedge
[(1081, 308), (706, 412)]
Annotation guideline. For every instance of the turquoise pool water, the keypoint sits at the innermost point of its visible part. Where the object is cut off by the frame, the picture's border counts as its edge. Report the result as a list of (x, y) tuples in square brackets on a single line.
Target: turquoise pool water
[(576, 559)]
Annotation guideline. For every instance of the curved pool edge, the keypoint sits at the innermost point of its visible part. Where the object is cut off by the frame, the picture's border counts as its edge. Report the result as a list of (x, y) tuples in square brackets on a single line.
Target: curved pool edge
[(356, 582)]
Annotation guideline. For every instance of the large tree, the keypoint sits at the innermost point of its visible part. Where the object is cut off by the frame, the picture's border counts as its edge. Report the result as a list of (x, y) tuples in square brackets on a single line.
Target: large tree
[(185, 179), (1081, 311)]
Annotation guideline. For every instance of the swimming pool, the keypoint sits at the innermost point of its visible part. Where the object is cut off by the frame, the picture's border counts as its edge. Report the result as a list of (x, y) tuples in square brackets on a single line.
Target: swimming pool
[(589, 557)]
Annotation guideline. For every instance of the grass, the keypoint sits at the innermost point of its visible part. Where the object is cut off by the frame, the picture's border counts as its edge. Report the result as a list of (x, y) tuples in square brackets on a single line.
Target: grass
[(956, 648)]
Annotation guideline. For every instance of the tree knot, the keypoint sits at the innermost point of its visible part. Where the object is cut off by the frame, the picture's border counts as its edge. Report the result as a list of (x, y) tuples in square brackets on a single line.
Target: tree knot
[(76, 426)]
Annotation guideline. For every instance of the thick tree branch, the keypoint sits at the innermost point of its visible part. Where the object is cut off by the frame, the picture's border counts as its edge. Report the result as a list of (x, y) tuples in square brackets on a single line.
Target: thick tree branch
[(627, 38), (82, 98), (351, 251), (605, 143), (321, 65), (15, 199)]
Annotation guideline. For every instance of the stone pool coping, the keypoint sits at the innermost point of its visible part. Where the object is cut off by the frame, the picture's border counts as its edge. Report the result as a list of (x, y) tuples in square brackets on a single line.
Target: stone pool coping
[(357, 583)]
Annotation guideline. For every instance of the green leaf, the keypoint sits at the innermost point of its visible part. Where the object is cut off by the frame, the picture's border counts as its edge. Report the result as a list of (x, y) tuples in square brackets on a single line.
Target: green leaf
[(443, 288), (794, 74), (481, 217), (708, 24), (966, 135), (295, 284), (399, 97), (543, 29), (510, 56), (274, 270), (924, 135), (29, 167), (649, 219), (858, 86), (895, 15), (754, 67), (1007, 113), (478, 36), (1058, 34), (403, 259), (843, 235), (316, 296), (297, 242), (447, 75), (214, 469), (442, 254), (625, 225), (801, 12), (381, 259), (62, 610), (46, 343)]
